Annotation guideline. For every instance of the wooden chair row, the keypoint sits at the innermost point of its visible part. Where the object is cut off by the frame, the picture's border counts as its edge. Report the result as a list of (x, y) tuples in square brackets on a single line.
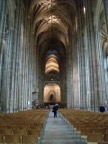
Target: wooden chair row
[(22, 127), (85, 131), (90, 124), (21, 132), (97, 137), (16, 139)]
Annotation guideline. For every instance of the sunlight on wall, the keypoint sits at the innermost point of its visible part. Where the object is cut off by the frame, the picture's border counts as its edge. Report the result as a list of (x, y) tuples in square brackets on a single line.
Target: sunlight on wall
[(52, 89)]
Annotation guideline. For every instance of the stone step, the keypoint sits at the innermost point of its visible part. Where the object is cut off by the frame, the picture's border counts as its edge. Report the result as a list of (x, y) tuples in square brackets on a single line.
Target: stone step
[(57, 131), (62, 135), (63, 141), (61, 138)]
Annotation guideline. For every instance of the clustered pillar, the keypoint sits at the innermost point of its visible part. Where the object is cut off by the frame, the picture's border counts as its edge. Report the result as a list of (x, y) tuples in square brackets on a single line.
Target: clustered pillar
[(16, 57), (85, 73)]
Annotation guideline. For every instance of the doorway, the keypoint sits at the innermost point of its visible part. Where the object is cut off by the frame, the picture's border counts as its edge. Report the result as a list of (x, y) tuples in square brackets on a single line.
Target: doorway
[(52, 93)]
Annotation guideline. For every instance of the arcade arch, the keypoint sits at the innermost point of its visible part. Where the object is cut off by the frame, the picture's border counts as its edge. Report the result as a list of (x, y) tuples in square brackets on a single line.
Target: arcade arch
[(52, 93)]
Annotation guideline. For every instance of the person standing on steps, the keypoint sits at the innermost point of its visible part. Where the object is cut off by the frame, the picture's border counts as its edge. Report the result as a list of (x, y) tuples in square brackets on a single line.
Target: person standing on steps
[(55, 109)]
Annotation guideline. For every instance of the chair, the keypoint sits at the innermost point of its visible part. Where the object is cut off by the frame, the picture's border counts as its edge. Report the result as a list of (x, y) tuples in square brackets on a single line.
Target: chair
[(16, 139), (100, 130), (85, 131), (29, 139), (106, 137), (6, 132), (19, 132), (33, 132), (1, 139), (13, 127), (94, 137), (102, 142), (2, 127)]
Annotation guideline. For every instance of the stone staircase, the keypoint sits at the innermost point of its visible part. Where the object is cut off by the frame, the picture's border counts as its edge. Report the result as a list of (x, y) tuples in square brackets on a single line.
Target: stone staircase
[(59, 131)]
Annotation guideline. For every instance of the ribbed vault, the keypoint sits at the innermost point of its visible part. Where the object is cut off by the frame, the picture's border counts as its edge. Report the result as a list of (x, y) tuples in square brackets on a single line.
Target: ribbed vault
[(53, 23), (52, 19)]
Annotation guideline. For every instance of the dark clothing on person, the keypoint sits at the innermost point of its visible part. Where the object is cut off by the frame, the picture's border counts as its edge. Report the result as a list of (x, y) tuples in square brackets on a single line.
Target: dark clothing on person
[(102, 109), (55, 108)]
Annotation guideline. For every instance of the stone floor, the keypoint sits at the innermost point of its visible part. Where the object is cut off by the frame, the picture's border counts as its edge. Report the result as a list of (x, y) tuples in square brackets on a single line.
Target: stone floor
[(59, 131)]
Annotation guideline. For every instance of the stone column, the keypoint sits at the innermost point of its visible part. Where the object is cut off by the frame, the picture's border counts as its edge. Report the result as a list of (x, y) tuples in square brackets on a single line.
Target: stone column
[(94, 97), (29, 97), (75, 73), (3, 9), (33, 62), (81, 56), (7, 99), (27, 61), (15, 60), (63, 81), (6, 75), (86, 61), (69, 78), (105, 2)]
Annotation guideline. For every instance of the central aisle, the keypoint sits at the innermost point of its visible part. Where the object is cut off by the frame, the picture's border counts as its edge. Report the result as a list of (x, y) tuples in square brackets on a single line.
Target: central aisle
[(59, 131)]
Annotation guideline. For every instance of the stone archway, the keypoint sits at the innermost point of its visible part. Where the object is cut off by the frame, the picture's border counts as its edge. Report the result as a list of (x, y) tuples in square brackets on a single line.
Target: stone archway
[(52, 93)]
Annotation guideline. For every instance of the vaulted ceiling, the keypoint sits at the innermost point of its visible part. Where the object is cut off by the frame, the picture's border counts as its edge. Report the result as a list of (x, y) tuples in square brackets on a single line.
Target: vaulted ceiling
[(53, 23), (52, 20)]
